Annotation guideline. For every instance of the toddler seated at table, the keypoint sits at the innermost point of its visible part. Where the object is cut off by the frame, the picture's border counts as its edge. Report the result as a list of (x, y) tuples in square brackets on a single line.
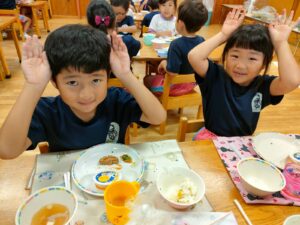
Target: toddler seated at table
[(153, 7), (234, 93), (76, 60), (192, 15), (163, 24)]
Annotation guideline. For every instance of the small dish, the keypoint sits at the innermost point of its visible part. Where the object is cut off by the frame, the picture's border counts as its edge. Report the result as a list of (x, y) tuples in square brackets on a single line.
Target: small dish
[(260, 177), (292, 220), (181, 187), (105, 178), (159, 43), (163, 53)]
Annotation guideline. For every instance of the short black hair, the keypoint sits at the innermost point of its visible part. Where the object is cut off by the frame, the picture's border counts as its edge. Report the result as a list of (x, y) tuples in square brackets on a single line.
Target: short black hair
[(77, 46), (160, 2), (123, 3), (252, 36), (193, 14), (153, 4), (103, 9)]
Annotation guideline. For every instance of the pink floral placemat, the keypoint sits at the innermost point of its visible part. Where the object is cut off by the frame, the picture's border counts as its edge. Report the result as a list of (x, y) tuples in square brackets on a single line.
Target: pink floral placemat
[(231, 150)]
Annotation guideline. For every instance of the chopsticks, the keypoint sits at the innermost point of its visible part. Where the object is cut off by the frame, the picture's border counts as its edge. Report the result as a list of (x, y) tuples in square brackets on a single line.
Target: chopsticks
[(67, 180), (30, 179), (219, 219), (238, 205)]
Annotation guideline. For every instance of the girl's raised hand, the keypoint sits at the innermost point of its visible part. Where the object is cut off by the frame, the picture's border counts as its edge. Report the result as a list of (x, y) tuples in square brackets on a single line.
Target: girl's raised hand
[(119, 58), (233, 20), (35, 64), (281, 28)]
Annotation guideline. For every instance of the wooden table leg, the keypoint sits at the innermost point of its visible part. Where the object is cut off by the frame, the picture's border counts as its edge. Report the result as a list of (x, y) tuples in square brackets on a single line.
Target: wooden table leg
[(35, 22), (45, 17), (4, 64), (16, 41)]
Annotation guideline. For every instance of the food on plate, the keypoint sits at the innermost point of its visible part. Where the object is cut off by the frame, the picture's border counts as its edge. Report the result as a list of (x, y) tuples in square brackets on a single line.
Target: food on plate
[(108, 160), (183, 193), (126, 158), (56, 213)]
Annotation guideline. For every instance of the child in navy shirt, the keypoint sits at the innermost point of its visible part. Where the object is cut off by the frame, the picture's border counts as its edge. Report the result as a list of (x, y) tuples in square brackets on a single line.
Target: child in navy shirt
[(153, 5), (76, 59), (125, 23), (192, 15), (233, 95)]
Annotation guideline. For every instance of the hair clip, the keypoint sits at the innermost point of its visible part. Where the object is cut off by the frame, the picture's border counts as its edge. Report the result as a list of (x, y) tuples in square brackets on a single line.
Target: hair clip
[(99, 20)]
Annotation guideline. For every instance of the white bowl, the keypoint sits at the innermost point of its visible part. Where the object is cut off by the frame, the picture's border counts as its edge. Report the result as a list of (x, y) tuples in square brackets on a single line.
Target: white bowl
[(259, 177), (159, 43), (44, 197), (171, 179), (292, 220)]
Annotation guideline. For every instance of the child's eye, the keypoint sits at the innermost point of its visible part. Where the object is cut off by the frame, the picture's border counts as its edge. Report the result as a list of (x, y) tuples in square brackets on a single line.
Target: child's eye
[(97, 81), (72, 83), (253, 59), (234, 56)]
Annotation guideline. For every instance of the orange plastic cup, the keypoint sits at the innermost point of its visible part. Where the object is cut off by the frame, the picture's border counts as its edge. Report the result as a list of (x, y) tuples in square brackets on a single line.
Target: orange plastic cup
[(115, 197)]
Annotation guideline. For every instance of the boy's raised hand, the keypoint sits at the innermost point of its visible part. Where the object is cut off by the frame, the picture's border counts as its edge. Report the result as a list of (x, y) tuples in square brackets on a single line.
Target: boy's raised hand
[(34, 62), (119, 58), (281, 28), (233, 20)]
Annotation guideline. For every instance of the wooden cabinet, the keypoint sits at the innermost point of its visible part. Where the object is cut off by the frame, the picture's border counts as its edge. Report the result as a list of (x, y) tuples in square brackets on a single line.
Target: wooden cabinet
[(72, 8), (64, 7), (218, 15), (83, 6)]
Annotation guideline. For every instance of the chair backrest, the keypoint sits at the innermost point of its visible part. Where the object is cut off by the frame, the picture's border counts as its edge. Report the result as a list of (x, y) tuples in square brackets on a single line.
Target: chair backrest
[(14, 12), (144, 30), (188, 126), (114, 82), (175, 79)]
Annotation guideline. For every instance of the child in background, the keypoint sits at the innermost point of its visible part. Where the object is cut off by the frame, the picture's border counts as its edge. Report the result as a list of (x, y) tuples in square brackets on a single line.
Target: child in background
[(125, 23), (234, 94), (192, 15), (153, 6), (163, 24), (77, 59), (101, 16), (144, 5), (26, 21)]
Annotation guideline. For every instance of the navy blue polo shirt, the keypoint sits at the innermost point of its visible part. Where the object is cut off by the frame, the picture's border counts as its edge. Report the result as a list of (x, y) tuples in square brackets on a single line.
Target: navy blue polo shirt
[(127, 21), (230, 109), (53, 121), (7, 4), (177, 61)]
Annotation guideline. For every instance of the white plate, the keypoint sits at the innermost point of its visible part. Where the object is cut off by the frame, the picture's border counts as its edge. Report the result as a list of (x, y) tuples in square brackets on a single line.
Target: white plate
[(87, 165), (275, 147)]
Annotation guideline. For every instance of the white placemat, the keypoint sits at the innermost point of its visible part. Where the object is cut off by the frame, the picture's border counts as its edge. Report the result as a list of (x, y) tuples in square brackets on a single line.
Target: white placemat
[(51, 167)]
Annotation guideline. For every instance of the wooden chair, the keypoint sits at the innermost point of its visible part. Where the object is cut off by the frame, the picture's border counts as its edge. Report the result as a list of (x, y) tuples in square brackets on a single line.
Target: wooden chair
[(34, 7), (188, 126), (179, 102), (16, 13), (144, 30), (115, 82)]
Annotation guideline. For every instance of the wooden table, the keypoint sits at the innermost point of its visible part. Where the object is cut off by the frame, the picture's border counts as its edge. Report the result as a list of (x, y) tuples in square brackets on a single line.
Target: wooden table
[(148, 53), (8, 22), (201, 157), (35, 6)]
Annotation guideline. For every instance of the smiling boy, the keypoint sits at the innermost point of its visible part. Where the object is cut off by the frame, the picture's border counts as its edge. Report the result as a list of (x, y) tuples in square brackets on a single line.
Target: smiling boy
[(76, 60)]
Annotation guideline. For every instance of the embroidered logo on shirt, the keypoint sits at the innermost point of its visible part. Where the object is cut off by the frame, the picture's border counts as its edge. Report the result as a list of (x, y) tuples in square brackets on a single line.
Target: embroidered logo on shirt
[(113, 133), (256, 102)]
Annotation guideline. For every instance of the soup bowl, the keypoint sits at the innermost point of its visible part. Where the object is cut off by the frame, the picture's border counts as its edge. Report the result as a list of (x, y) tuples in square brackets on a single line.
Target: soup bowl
[(53, 202)]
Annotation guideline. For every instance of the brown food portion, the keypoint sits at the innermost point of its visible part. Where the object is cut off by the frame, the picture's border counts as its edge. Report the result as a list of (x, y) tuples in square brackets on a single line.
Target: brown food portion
[(126, 158), (108, 160)]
